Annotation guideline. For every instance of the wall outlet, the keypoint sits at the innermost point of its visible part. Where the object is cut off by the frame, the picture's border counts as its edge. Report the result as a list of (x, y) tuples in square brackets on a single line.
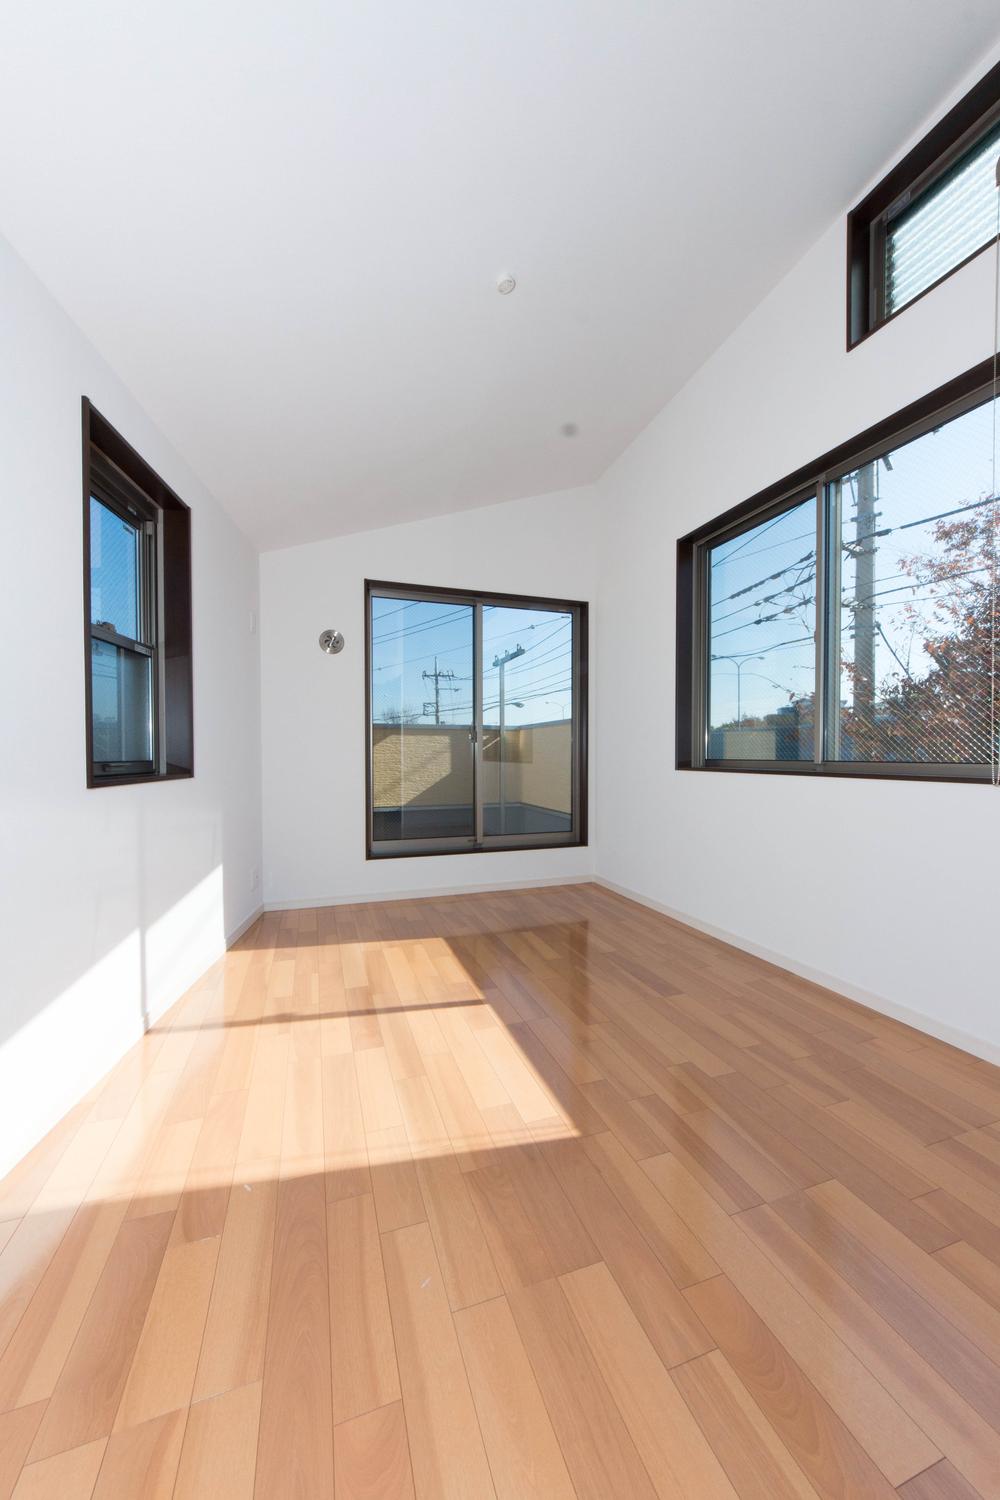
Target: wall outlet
[(254, 877)]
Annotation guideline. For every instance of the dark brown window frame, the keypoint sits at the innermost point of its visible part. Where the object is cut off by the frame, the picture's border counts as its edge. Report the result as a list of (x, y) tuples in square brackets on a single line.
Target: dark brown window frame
[(581, 657), (932, 156), (948, 400), (111, 463)]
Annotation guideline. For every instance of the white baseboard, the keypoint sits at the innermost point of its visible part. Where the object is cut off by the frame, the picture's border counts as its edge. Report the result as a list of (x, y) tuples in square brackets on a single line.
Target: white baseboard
[(244, 926), (955, 1037), (370, 898)]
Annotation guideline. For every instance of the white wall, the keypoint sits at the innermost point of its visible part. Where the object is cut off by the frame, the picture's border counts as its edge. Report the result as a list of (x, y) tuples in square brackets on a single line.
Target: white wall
[(114, 900), (313, 704), (887, 887)]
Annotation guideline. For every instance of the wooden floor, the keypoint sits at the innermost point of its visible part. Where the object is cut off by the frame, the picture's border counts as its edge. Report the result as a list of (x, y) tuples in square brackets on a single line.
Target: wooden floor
[(521, 1195)]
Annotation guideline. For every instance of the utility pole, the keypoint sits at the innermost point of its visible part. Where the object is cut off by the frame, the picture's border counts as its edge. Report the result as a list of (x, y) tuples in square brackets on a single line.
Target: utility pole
[(864, 600), (500, 662), (437, 677)]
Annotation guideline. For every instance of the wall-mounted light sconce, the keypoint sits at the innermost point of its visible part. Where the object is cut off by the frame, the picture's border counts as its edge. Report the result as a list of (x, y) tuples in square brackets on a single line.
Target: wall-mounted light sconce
[(331, 641)]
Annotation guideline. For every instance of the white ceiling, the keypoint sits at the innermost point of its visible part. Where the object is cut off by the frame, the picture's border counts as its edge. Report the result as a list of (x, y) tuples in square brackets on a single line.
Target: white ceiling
[(282, 221)]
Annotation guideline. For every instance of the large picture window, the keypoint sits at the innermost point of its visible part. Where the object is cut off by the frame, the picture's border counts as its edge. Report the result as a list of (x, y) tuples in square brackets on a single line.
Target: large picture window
[(843, 623), (476, 722)]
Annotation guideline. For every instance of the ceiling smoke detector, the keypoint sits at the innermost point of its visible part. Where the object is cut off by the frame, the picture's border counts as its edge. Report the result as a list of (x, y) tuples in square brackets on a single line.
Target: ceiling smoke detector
[(505, 285)]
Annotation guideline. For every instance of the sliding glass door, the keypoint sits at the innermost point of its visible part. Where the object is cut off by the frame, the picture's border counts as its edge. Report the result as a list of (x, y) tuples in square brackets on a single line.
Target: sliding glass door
[(476, 721), (422, 740), (528, 720)]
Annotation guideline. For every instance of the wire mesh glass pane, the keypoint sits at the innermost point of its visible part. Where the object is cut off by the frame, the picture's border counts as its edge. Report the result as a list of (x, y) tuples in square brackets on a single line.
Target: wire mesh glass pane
[(114, 572), (953, 219), (761, 640), (914, 599), (423, 749), (527, 720), (121, 704)]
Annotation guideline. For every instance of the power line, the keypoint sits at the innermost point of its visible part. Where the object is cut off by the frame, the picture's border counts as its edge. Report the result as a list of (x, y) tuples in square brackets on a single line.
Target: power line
[(767, 598), (408, 631), (488, 645), (555, 654), (848, 600), (755, 532), (860, 602), (540, 690), (879, 534), (808, 557), (466, 646), (383, 614)]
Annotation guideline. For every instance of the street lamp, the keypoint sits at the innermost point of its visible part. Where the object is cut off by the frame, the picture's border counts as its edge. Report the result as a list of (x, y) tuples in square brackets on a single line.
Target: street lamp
[(500, 663), (739, 662)]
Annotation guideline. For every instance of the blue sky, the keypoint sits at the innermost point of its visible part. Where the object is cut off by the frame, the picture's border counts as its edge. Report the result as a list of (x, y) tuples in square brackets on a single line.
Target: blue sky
[(410, 638)]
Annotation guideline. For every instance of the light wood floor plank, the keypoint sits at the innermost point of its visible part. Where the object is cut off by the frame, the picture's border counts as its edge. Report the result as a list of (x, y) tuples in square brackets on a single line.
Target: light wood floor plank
[(824, 1449), (65, 1476), (373, 1456), (524, 1455), (957, 1304), (364, 1354), (676, 1454), (942, 1482), (754, 1457), (517, 1250), (462, 1248), (680, 1251), (885, 1429), (17, 1433), (446, 1445), (166, 1358), (295, 1455), (87, 1395), (33, 1360), (674, 1331), (232, 1352), (944, 1414), (140, 1463), (219, 1456), (599, 1452)]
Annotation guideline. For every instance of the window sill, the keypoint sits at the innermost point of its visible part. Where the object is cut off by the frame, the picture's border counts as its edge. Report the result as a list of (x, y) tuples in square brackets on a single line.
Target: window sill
[(853, 771), (507, 847), (173, 773)]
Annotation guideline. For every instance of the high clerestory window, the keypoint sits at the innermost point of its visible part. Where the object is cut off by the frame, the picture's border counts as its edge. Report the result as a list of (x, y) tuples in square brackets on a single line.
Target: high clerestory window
[(934, 211), (844, 622), (477, 720)]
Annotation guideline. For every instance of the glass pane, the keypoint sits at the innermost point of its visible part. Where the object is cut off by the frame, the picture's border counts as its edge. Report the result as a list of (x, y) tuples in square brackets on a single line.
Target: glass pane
[(114, 571), (949, 222), (915, 604), (527, 720), (422, 718), (762, 665), (121, 701)]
